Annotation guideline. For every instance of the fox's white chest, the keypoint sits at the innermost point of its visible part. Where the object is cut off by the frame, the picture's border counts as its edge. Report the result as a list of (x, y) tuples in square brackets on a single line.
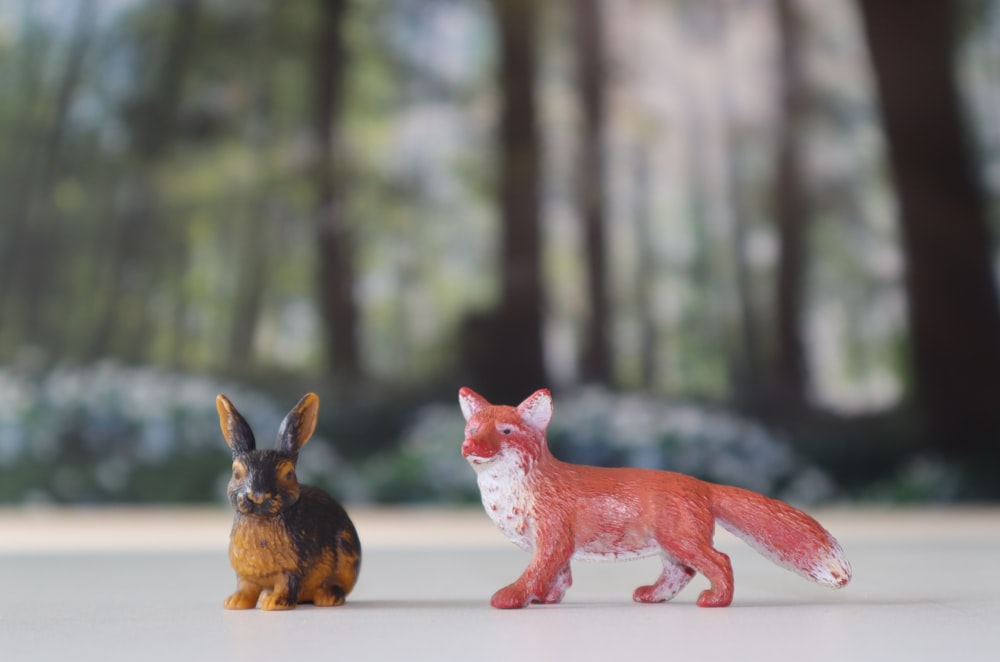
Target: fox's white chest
[(508, 501)]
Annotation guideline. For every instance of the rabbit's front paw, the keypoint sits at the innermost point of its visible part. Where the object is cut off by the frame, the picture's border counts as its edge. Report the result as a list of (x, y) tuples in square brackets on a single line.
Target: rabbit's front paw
[(276, 602), (242, 599)]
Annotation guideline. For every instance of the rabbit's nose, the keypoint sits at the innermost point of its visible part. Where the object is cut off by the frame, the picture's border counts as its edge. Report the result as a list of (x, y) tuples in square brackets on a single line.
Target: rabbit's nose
[(256, 496)]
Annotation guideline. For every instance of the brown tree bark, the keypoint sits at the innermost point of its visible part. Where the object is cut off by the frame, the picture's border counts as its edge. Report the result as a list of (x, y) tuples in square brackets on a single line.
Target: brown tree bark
[(953, 315), (334, 245), (503, 348), (595, 363), (791, 374)]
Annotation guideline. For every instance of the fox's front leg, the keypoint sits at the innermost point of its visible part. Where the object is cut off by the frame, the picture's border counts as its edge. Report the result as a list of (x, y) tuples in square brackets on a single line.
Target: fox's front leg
[(547, 576), (559, 586)]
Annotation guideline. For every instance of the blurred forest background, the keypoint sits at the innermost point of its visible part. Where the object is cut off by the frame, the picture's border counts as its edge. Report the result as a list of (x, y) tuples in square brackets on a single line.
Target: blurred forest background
[(752, 240)]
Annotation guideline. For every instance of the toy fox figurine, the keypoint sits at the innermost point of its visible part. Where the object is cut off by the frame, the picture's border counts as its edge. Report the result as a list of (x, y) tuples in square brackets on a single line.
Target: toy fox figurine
[(562, 512), (292, 543)]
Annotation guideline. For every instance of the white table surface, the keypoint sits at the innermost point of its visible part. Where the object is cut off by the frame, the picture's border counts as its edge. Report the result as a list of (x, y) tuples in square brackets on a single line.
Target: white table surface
[(149, 584)]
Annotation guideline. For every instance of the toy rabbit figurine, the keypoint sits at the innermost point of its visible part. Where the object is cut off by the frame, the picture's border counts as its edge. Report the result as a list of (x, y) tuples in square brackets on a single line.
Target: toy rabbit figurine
[(290, 542), (562, 512)]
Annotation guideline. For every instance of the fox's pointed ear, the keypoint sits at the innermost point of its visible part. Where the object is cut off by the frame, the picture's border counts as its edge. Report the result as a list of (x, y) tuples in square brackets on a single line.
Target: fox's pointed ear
[(235, 430), (536, 410), (470, 402), (299, 425)]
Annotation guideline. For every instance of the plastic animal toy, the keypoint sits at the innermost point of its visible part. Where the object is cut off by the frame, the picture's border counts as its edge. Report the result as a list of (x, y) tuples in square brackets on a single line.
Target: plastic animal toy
[(292, 543), (562, 512)]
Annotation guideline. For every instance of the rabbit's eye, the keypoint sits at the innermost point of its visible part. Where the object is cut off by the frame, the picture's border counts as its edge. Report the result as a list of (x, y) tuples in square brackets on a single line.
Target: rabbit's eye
[(289, 475)]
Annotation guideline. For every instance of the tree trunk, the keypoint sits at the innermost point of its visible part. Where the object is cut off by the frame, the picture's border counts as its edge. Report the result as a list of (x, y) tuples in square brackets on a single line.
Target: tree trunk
[(260, 211), (745, 366), (596, 359), (336, 269), (157, 121), (504, 347), (121, 319), (26, 254), (953, 314), (645, 269), (791, 374), (249, 295)]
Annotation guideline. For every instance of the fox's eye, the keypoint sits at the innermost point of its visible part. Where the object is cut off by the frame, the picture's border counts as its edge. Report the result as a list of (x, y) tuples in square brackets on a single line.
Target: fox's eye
[(506, 431)]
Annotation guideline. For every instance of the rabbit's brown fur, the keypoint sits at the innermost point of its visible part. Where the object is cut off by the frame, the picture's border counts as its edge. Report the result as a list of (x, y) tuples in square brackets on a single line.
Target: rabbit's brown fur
[(290, 543)]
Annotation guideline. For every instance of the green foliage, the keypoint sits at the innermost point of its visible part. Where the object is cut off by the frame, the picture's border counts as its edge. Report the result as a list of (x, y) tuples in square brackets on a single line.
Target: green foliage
[(168, 200)]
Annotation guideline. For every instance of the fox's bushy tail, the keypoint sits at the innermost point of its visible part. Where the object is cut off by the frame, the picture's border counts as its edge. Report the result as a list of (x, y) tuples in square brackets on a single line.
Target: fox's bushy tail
[(783, 534)]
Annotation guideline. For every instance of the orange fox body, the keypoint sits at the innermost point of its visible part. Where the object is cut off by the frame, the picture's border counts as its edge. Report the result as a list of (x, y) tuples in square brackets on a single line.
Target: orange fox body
[(562, 512)]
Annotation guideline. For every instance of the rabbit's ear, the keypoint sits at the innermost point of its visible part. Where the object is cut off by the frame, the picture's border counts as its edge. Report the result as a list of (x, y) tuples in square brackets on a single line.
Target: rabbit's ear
[(235, 429), (299, 425)]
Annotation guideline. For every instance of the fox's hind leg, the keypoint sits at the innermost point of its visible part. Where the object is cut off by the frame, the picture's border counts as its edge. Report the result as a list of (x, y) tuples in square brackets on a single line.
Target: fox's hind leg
[(714, 565), (675, 576), (719, 571), (688, 539)]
